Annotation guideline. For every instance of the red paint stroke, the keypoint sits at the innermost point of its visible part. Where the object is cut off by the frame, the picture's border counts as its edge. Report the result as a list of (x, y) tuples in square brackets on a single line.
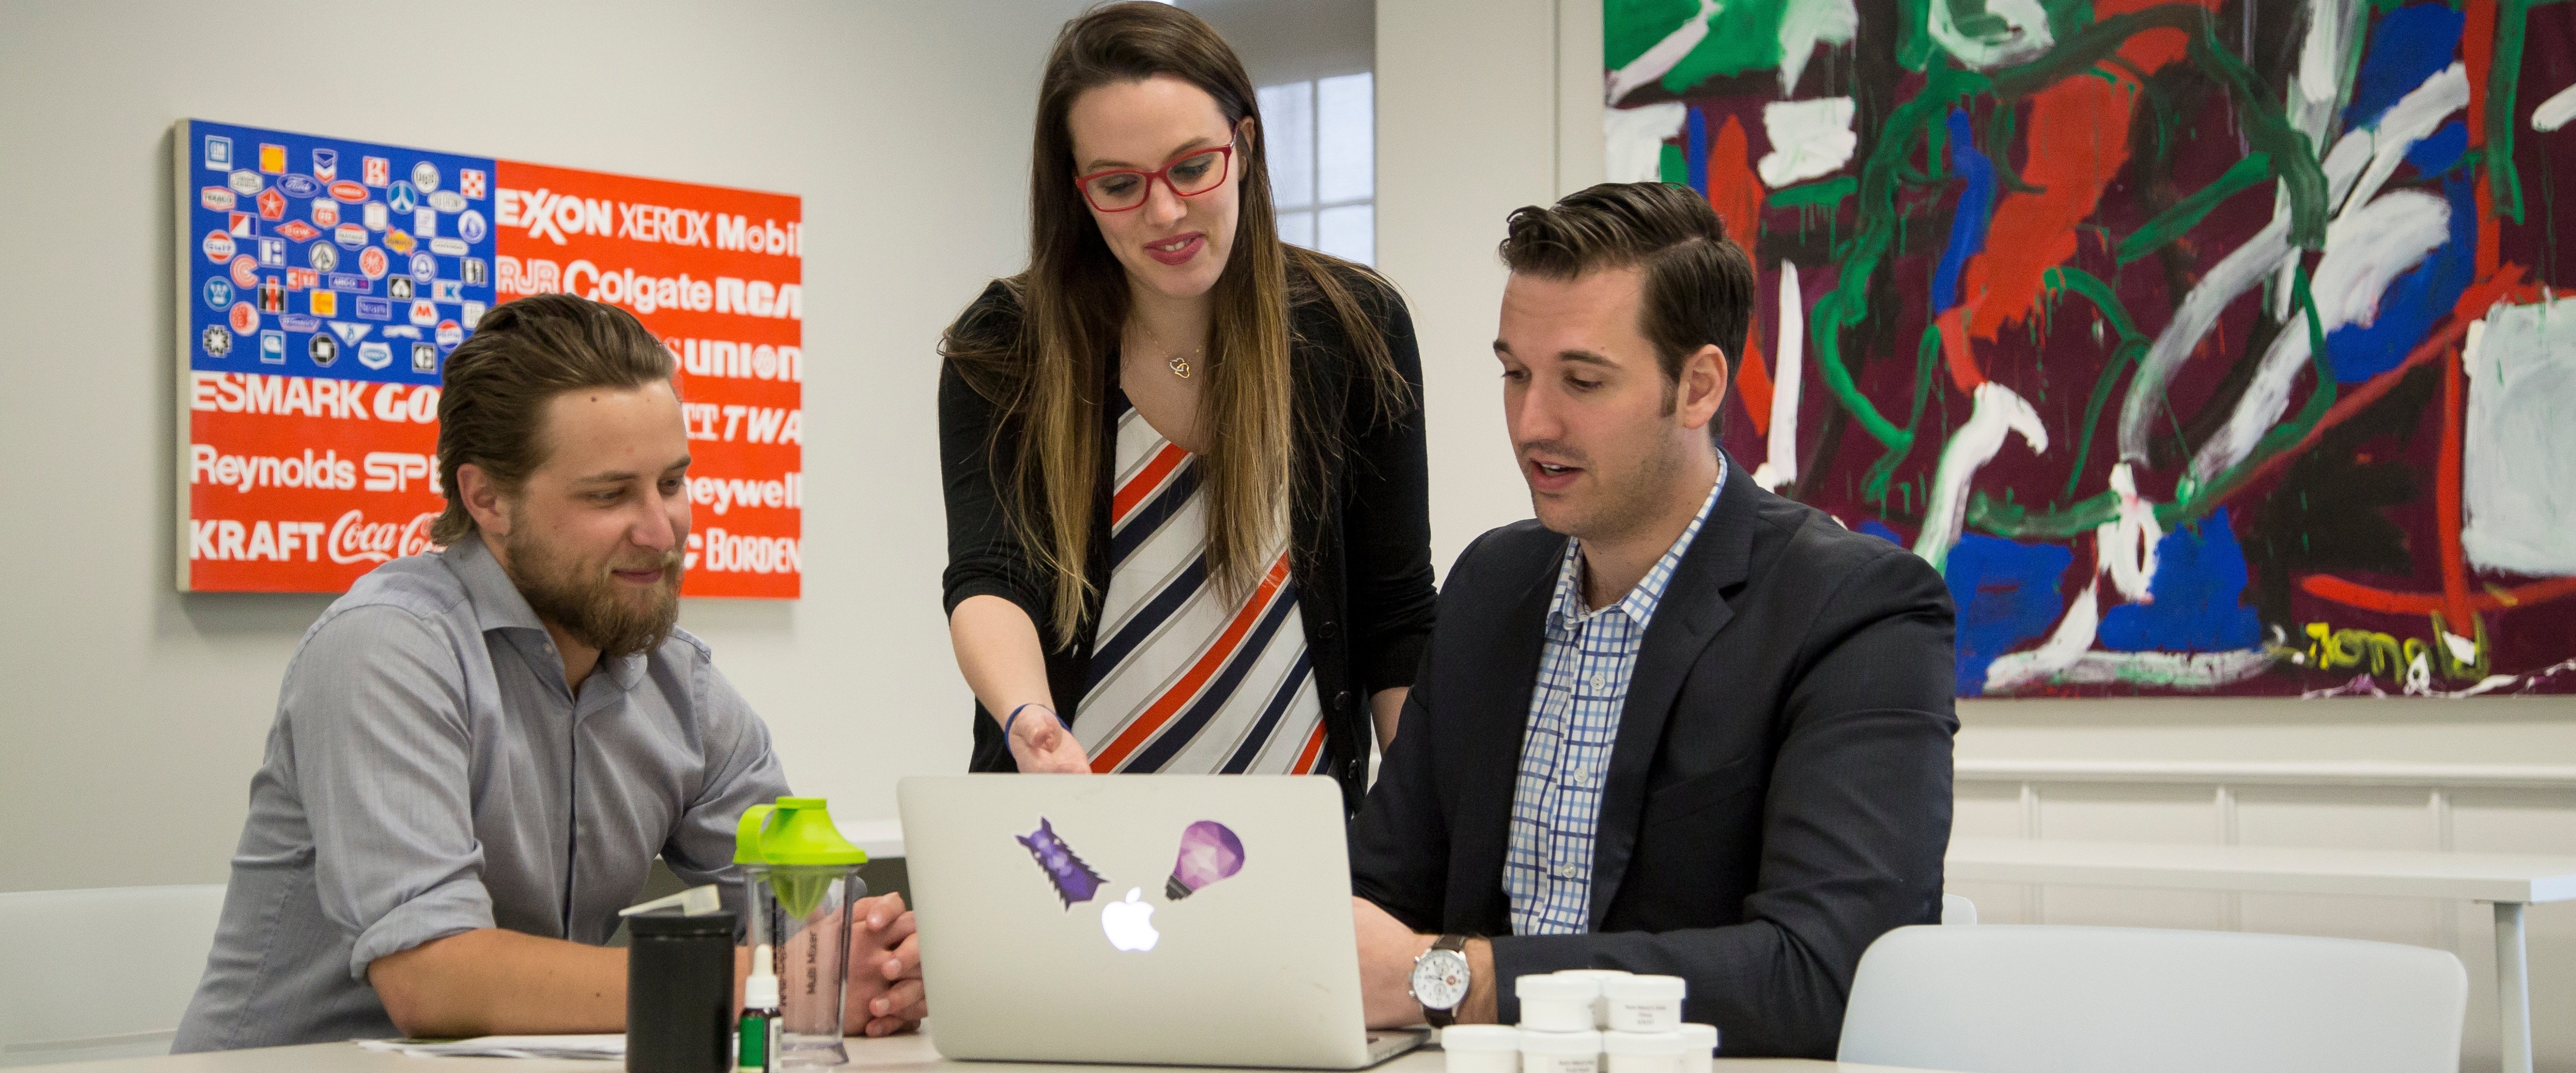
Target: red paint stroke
[(2367, 598), (2490, 237), (2473, 304), (1736, 194), (1752, 381), (2477, 53), (2079, 141), (2103, 9), (2455, 602), (1954, 348), (2446, 494), (2503, 285)]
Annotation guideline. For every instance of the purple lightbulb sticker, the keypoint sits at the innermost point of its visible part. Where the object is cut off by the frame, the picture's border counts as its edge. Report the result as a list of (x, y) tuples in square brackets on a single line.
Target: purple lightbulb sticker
[(1074, 881), (1209, 852)]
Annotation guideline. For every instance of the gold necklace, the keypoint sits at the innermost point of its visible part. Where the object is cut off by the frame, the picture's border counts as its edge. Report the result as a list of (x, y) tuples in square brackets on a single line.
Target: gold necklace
[(1180, 365)]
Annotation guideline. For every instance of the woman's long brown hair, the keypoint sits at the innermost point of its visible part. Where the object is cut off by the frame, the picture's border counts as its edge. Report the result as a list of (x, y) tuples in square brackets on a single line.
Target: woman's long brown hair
[(1042, 372)]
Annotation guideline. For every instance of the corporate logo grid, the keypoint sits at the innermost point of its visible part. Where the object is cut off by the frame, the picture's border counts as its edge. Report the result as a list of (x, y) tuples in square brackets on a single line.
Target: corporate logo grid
[(324, 282)]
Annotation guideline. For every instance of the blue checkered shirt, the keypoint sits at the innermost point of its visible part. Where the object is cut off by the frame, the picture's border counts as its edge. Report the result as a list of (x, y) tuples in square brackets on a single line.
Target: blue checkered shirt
[(1573, 721)]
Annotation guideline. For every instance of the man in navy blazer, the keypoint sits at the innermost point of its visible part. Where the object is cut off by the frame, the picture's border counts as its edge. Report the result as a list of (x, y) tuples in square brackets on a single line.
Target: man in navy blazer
[(1676, 724)]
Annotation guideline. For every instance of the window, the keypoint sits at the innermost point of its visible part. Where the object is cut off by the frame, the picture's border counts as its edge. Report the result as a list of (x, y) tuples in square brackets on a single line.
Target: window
[(1323, 163)]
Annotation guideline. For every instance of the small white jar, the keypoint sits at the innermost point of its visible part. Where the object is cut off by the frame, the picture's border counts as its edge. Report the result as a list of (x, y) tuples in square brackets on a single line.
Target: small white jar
[(1647, 1052), (1702, 1045), (1560, 1052), (1644, 1003), (1600, 1007), (1556, 1003), (1483, 1048)]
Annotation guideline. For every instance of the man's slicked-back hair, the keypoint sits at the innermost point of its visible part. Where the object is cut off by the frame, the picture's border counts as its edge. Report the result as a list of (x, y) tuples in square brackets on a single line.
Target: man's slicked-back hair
[(493, 394), (1698, 284)]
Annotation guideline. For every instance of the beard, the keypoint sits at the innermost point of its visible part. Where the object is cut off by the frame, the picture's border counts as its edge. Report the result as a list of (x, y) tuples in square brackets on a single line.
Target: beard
[(1628, 501), (588, 601)]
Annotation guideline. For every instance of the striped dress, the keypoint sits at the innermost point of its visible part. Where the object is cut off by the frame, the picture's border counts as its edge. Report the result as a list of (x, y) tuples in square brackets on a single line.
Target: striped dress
[(1183, 680)]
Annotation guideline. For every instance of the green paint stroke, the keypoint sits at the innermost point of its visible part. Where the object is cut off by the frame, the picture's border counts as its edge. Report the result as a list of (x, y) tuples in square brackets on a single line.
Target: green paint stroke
[(2191, 501), (1915, 48), (1845, 305), (2067, 17), (2017, 523), (1630, 27), (1744, 36), (2132, 346), (1822, 195), (1672, 166), (2512, 18), (1927, 360), (2170, 224), (2266, 130)]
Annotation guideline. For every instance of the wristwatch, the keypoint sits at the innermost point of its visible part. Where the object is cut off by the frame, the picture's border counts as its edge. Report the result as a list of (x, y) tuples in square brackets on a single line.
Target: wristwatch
[(1440, 980)]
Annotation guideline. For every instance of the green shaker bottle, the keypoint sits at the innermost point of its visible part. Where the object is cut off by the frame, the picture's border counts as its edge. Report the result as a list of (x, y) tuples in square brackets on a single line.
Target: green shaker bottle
[(802, 878)]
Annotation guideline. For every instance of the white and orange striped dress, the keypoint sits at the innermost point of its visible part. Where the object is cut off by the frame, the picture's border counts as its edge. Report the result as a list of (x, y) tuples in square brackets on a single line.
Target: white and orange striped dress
[(1183, 680)]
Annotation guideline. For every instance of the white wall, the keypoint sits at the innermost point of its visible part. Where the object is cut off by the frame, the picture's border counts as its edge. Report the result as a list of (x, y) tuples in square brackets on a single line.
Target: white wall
[(1296, 40), (1486, 105), (1465, 134), (134, 716)]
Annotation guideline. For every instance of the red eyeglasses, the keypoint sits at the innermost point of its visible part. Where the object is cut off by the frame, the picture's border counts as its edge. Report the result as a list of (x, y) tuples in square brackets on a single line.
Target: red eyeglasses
[(1122, 189)]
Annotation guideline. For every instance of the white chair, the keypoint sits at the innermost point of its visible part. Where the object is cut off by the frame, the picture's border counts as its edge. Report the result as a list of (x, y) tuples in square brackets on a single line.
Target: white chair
[(100, 973), (1957, 909), (2003, 998)]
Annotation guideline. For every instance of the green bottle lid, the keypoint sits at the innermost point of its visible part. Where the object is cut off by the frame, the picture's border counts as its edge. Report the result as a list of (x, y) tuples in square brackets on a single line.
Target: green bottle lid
[(795, 831)]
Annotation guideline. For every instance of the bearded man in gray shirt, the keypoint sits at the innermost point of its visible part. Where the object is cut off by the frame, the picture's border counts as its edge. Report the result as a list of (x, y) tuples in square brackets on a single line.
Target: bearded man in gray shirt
[(478, 751)]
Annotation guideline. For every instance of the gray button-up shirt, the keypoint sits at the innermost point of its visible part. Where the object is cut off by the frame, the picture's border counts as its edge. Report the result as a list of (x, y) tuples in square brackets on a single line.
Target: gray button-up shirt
[(430, 773)]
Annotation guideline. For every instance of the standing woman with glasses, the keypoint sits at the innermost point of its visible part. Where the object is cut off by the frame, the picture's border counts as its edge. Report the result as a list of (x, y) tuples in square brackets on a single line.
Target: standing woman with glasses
[(1187, 527)]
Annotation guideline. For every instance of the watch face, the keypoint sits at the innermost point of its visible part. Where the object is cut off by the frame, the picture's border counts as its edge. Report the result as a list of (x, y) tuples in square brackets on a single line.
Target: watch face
[(1440, 979)]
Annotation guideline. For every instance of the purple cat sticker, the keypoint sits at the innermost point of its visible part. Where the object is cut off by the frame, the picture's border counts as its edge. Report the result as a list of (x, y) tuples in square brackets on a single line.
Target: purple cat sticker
[(1074, 881)]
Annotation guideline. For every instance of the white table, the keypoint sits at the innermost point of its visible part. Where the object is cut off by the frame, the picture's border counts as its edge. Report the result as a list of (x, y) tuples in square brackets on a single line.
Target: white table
[(912, 1054), (2510, 881), (880, 838)]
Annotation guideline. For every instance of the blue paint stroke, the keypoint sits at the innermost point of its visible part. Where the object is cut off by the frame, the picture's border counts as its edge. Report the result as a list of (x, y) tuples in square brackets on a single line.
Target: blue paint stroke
[(2006, 593), (2440, 151), (2406, 47), (1879, 529), (1967, 223), (1698, 155), (2416, 299), (2199, 592)]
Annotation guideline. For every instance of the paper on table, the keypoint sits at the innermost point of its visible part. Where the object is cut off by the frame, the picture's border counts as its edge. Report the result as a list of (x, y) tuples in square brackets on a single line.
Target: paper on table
[(603, 1048)]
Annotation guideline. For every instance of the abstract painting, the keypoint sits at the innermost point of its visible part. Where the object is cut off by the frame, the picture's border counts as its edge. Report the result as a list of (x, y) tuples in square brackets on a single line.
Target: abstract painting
[(2207, 348)]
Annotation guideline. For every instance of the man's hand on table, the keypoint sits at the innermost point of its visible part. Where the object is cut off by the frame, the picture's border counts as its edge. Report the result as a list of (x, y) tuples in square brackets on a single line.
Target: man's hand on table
[(1387, 950), (885, 995)]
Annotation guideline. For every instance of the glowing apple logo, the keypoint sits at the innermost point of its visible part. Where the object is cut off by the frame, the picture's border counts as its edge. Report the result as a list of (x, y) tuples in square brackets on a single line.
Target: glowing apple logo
[(1130, 924)]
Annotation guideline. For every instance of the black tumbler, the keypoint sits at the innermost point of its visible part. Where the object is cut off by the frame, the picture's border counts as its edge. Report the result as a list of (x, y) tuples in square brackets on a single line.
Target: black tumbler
[(679, 993)]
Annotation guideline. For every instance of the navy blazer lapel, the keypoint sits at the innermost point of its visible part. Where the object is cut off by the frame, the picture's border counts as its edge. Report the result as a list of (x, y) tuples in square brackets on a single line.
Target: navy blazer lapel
[(1491, 755), (1691, 612)]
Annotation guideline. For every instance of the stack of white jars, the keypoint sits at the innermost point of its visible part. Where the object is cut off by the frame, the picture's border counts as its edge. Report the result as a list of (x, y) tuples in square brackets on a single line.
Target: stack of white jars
[(1587, 1021)]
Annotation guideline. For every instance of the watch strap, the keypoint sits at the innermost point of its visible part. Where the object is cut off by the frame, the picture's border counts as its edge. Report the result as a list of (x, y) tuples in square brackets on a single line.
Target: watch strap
[(1443, 1018)]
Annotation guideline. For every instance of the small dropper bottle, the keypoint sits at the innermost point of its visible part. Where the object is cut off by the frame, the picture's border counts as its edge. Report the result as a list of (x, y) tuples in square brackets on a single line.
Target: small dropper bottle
[(759, 1027)]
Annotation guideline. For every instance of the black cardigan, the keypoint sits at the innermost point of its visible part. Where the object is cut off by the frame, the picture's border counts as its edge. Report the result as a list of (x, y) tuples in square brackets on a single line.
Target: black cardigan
[(1362, 563)]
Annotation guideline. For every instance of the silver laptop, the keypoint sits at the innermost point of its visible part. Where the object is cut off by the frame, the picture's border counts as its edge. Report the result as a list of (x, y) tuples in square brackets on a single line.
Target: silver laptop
[(1163, 919)]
